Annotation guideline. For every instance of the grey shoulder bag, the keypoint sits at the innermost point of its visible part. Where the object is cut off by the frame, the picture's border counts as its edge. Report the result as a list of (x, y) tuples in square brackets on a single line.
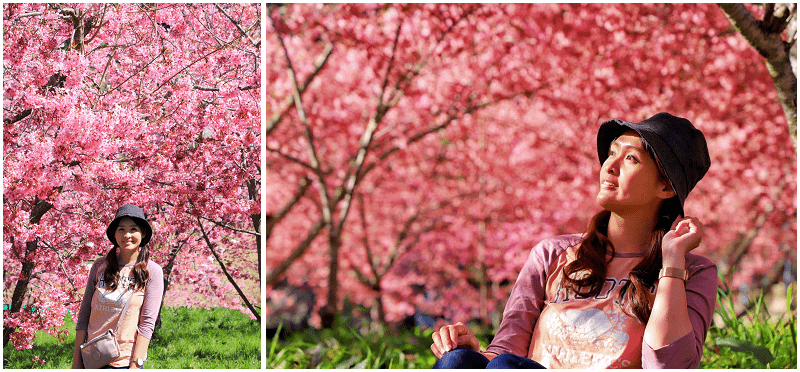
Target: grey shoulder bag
[(103, 349)]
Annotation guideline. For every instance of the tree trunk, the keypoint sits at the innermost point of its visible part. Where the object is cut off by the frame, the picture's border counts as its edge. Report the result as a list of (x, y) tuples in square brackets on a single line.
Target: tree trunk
[(40, 207), (334, 243), (21, 288), (765, 37), (257, 226), (381, 310), (252, 190), (168, 279)]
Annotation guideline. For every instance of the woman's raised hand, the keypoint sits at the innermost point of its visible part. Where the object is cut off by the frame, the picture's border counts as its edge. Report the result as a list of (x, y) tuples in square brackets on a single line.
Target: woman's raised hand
[(454, 336), (684, 236)]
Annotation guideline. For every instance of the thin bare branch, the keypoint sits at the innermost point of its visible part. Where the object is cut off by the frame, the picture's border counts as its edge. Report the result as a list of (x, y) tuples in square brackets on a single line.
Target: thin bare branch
[(29, 14), (391, 63), (225, 271), (134, 74), (112, 54), (201, 58), (232, 228), (206, 89), (236, 23), (273, 220), (288, 103), (61, 265), (278, 271), (327, 207), (365, 237), (291, 158), (438, 127)]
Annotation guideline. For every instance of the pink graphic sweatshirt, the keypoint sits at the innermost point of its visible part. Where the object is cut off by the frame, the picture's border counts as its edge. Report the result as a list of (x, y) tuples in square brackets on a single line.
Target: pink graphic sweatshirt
[(546, 323)]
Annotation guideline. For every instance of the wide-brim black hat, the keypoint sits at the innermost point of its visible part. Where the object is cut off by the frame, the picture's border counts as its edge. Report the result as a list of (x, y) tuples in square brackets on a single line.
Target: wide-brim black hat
[(679, 147), (135, 213)]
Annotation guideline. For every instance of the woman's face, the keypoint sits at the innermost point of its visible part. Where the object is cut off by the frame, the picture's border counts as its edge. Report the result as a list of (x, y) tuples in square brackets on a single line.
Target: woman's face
[(630, 179), (128, 234)]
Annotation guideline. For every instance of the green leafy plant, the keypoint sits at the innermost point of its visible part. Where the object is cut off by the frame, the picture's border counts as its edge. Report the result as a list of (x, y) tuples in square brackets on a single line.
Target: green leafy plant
[(753, 340), (350, 344)]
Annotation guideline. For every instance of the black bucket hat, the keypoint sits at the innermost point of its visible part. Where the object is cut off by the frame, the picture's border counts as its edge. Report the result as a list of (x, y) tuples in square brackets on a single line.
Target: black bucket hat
[(136, 214), (680, 148)]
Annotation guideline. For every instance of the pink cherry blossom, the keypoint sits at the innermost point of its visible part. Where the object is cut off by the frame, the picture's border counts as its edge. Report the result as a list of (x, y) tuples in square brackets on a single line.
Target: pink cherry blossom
[(158, 105)]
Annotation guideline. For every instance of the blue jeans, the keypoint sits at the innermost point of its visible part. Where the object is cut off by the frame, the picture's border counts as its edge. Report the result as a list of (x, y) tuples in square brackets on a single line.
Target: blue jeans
[(469, 359)]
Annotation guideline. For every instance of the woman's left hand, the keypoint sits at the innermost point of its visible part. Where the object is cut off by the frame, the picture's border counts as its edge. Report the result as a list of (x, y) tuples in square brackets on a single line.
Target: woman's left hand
[(684, 236)]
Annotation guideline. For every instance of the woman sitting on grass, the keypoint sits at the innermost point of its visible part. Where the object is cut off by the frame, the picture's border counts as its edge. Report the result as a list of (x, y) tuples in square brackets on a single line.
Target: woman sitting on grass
[(627, 293), (126, 268)]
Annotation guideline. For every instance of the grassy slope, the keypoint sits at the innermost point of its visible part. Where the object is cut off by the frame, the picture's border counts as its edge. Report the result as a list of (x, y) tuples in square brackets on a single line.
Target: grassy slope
[(188, 338)]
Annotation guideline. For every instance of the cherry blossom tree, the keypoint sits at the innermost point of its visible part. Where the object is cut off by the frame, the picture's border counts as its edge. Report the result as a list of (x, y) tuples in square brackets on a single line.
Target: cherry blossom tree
[(152, 104), (398, 59), (416, 153)]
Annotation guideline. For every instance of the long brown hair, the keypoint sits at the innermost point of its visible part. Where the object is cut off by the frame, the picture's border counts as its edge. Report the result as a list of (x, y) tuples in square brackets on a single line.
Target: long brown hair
[(140, 273), (588, 270)]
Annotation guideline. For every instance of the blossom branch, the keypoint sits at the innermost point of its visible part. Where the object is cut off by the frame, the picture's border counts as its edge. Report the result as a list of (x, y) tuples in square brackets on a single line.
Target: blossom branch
[(276, 272), (273, 220), (238, 27), (327, 209), (225, 271), (289, 101), (61, 265)]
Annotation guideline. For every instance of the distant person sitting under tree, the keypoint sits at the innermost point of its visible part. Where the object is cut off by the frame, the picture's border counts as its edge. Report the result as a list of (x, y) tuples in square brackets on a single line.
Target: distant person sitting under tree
[(627, 293), (123, 292)]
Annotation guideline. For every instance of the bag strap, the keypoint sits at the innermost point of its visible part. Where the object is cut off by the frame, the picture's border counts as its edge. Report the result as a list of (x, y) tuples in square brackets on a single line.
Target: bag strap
[(122, 314), (124, 308)]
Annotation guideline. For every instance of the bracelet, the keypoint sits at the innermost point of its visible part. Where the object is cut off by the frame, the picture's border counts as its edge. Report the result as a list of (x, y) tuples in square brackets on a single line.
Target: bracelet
[(674, 272)]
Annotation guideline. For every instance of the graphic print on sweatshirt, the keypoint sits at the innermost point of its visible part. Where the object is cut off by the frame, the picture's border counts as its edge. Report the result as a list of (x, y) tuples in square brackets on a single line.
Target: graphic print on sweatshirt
[(575, 332), (112, 301), (590, 326)]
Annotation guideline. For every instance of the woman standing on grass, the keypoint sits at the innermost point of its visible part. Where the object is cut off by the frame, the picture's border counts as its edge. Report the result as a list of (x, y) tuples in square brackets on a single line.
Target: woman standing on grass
[(125, 279), (627, 293)]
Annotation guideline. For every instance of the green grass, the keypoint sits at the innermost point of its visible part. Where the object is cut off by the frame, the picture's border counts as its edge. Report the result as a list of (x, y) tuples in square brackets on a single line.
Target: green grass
[(753, 341), (54, 353), (344, 347), (188, 338), (220, 338), (215, 338)]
